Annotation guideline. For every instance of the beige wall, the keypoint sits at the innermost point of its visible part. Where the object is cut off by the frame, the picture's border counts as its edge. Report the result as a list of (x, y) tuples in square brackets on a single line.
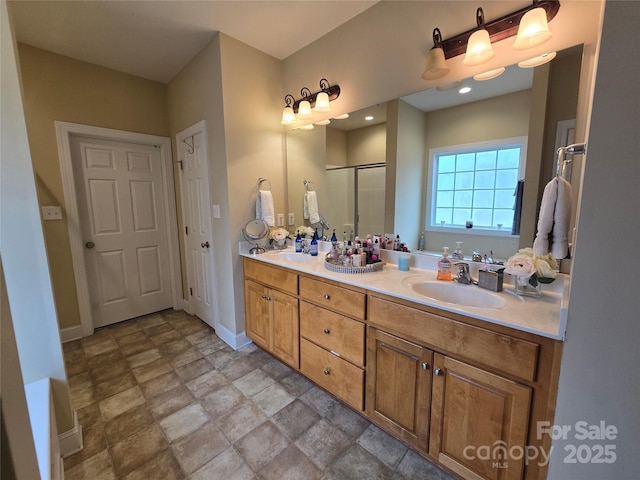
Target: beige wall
[(245, 142), (64, 89), (367, 145)]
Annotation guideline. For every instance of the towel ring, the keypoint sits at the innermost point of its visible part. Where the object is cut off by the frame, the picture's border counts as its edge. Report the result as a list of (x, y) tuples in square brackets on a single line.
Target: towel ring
[(306, 185), (260, 180)]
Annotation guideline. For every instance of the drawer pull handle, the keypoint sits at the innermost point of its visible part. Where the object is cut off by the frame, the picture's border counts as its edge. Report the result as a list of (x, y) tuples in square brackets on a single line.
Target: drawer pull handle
[(326, 371), (425, 366), (326, 296), (438, 372), (327, 331)]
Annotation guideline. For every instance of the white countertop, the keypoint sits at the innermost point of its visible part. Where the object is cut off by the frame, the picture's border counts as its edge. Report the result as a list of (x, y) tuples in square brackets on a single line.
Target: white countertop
[(545, 316)]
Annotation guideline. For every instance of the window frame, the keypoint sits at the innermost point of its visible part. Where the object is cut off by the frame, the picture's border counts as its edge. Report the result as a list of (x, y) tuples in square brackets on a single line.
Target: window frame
[(431, 187)]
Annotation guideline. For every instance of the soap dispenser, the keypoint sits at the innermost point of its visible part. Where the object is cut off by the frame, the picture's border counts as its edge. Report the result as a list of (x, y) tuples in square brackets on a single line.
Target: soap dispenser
[(314, 244), (457, 254), (444, 265), (298, 243)]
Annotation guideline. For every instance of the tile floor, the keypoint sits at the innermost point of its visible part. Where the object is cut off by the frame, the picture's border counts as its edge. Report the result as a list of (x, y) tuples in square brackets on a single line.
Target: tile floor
[(162, 397)]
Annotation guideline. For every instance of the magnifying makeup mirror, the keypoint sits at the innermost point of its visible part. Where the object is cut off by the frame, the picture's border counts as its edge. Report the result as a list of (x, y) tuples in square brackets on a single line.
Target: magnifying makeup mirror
[(254, 232)]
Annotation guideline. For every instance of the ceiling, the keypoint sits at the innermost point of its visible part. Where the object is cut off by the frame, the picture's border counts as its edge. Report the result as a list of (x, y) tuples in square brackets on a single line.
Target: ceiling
[(156, 39)]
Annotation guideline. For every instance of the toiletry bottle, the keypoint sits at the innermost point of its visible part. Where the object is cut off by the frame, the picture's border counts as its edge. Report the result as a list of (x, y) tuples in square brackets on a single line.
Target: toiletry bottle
[(458, 252), (314, 244), (444, 265), (334, 239), (298, 243), (421, 242)]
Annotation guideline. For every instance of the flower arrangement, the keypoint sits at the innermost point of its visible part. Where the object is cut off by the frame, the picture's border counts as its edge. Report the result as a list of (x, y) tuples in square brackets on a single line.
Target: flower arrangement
[(537, 268), (304, 231), (279, 236)]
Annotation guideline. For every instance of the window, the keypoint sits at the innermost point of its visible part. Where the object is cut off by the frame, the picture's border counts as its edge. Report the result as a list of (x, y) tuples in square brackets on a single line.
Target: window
[(475, 183)]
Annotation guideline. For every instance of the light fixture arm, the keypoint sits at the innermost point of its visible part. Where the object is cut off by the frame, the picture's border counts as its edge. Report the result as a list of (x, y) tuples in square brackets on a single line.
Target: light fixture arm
[(289, 100), (333, 91), (437, 38), (503, 27)]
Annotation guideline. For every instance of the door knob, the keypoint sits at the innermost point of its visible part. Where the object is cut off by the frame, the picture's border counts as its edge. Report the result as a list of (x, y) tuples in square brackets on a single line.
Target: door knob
[(205, 245), (438, 372), (89, 244)]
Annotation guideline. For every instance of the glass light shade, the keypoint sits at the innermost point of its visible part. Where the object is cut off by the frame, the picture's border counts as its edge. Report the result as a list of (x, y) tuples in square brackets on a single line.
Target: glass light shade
[(488, 75), (322, 103), (479, 48), (341, 117), (533, 29), (304, 110), (435, 65), (288, 117), (307, 127), (323, 122), (537, 61)]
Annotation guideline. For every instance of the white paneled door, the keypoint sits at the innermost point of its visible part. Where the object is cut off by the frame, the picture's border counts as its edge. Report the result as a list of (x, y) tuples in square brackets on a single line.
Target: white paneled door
[(122, 219), (197, 216)]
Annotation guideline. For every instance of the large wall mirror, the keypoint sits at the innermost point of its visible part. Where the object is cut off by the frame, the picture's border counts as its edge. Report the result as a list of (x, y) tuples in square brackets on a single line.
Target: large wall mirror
[(373, 175)]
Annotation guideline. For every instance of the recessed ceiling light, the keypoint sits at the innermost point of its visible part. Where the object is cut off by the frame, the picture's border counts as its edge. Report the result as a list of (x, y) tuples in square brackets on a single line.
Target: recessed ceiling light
[(368, 118), (464, 90)]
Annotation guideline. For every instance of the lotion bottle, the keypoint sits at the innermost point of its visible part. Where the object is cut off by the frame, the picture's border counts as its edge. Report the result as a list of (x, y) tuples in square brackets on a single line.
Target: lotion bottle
[(314, 244), (444, 265)]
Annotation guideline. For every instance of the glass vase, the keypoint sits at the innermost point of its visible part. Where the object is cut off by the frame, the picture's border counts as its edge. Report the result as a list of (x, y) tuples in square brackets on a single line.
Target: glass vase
[(525, 289)]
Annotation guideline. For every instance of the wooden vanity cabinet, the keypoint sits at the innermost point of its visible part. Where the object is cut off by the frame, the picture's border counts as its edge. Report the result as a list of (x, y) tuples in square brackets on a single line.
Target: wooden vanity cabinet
[(271, 315), (474, 408), (332, 338), (399, 387)]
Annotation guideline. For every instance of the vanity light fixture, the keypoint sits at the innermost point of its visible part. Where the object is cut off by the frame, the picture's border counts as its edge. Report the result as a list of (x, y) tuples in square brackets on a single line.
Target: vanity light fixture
[(488, 75), (533, 29), (435, 65), (526, 24), (479, 49), (304, 108), (537, 61)]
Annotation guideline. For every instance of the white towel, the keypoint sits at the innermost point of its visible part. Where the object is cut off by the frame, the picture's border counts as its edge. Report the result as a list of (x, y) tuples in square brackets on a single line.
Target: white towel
[(311, 207), (541, 245), (554, 219), (264, 207), (561, 220)]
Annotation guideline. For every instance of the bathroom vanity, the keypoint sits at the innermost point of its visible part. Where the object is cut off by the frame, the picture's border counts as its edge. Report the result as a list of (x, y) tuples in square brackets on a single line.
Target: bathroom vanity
[(461, 385)]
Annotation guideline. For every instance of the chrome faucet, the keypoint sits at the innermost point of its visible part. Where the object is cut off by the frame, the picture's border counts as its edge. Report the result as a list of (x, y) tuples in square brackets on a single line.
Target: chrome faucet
[(464, 277)]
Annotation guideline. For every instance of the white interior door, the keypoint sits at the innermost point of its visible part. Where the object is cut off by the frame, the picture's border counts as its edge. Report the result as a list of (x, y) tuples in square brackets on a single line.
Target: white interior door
[(122, 217), (198, 228)]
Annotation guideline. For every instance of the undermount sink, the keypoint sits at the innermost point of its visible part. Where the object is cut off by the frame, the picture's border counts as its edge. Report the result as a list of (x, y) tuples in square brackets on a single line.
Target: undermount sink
[(454, 293), (290, 256)]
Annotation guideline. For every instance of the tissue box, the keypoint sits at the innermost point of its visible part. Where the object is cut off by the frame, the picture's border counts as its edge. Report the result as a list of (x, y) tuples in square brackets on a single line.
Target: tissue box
[(490, 280)]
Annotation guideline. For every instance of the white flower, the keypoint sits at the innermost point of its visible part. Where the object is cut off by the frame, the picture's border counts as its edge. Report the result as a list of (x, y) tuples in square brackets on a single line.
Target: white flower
[(304, 231), (279, 234), (520, 265)]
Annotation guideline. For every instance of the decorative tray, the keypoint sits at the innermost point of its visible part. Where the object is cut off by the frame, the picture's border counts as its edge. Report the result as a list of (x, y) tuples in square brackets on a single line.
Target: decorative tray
[(340, 268)]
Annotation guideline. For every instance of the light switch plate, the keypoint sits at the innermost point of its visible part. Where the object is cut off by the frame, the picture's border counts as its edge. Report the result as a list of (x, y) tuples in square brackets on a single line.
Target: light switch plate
[(292, 219), (281, 219), (216, 211), (52, 213)]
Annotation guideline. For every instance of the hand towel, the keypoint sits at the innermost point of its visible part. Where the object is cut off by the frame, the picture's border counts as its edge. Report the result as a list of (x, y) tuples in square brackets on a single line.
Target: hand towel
[(561, 221), (541, 244), (264, 207), (311, 207)]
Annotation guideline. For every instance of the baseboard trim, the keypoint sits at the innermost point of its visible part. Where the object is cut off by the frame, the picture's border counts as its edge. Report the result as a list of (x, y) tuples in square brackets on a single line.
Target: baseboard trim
[(71, 440), (71, 333), (234, 341)]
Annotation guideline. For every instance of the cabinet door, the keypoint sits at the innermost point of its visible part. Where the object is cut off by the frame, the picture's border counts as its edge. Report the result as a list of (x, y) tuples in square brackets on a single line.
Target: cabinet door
[(256, 306), (285, 343), (399, 387), (476, 418)]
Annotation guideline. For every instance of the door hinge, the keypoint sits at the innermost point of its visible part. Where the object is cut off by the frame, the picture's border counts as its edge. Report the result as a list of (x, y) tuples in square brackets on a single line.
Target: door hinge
[(191, 291), (186, 230)]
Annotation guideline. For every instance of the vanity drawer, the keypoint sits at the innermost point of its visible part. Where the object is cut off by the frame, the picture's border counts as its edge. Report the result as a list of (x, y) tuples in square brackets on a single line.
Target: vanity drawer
[(340, 299), (273, 276), (503, 352), (337, 376), (333, 332)]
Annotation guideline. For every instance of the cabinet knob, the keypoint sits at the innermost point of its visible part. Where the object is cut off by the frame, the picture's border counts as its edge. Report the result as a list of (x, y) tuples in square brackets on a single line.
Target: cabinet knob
[(425, 366), (326, 296), (439, 372), (327, 331), (326, 371)]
